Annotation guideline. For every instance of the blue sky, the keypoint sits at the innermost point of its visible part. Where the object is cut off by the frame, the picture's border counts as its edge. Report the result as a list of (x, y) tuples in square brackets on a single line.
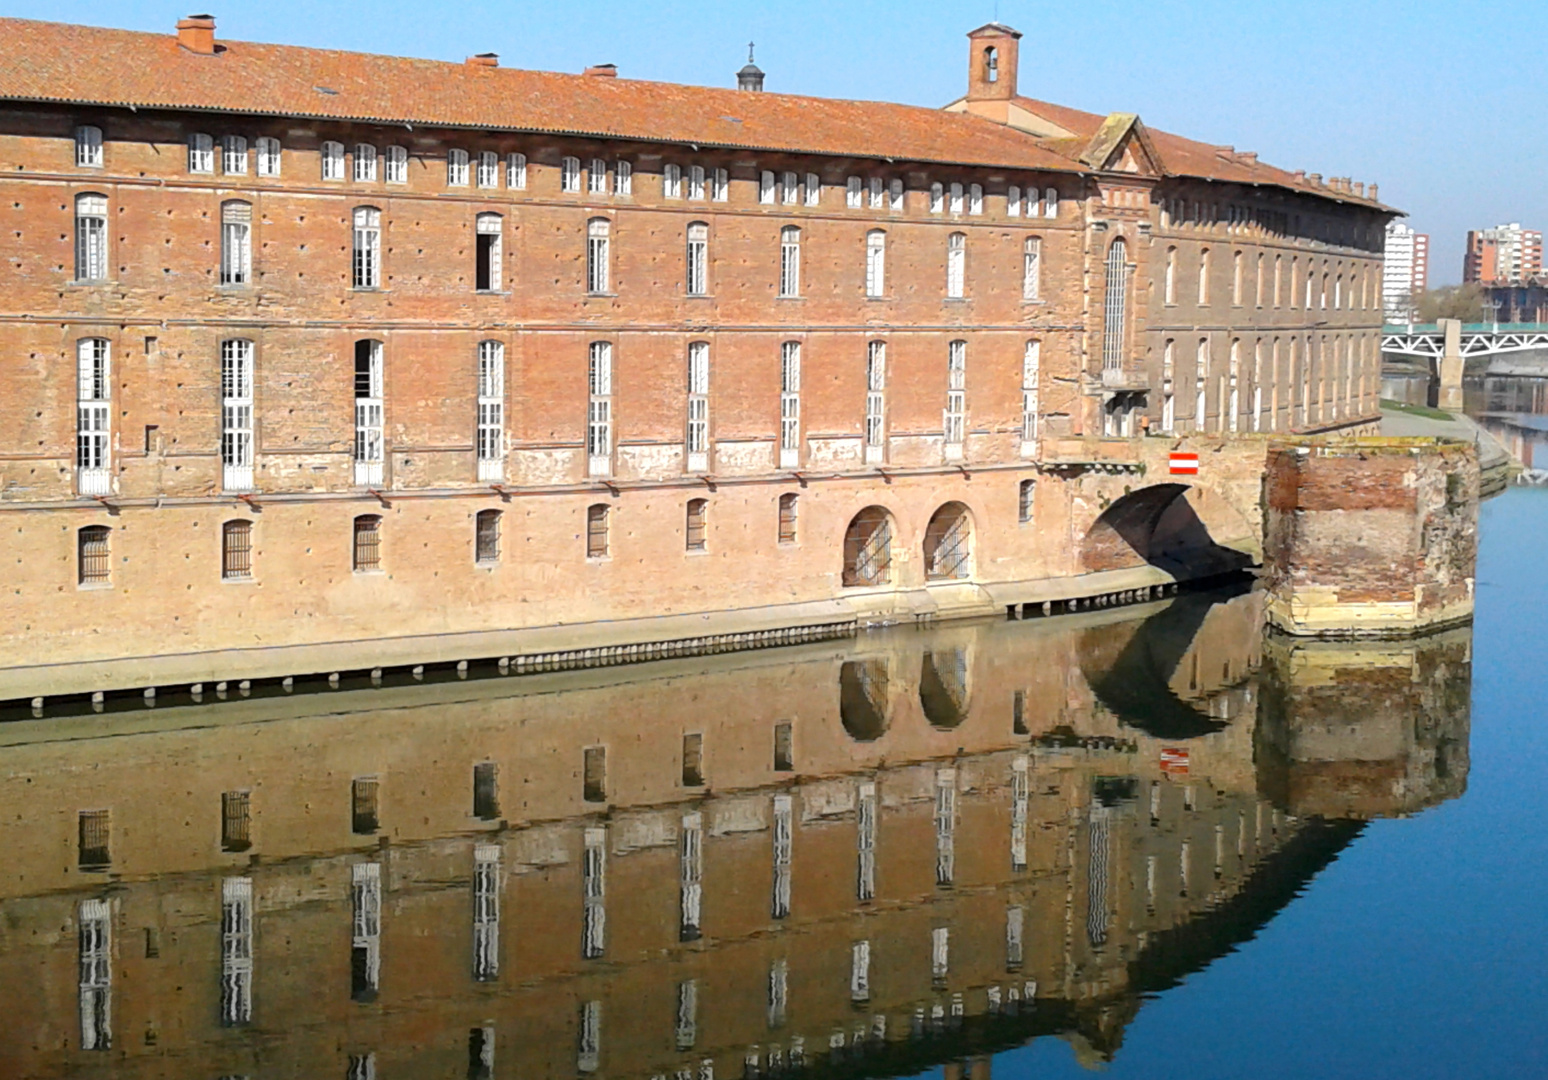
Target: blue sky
[(1434, 100)]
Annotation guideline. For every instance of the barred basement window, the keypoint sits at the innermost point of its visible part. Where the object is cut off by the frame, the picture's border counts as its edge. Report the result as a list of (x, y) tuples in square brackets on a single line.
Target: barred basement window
[(721, 191), (487, 258), (671, 182), (269, 157), (696, 182), (363, 793), (93, 424), (201, 153), (623, 178), (88, 147), (488, 169), (236, 551), (236, 951), (233, 155), (486, 791), (332, 161), (93, 840), (875, 263), (698, 259), (790, 261), (596, 531), (1031, 268), (491, 410), (235, 821), (852, 193), (236, 243), (92, 555), (596, 177), (599, 410), (368, 544), (365, 163), (698, 406), (1026, 503), (937, 198), (597, 256), (486, 536), (516, 171), (789, 404), (787, 518), (457, 168), (370, 449), (693, 757), (91, 262), (694, 530), (956, 265), (1013, 201), (366, 263)]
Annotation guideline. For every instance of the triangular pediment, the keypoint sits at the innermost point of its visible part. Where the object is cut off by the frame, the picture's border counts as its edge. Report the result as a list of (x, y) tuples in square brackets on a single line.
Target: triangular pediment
[(1122, 144)]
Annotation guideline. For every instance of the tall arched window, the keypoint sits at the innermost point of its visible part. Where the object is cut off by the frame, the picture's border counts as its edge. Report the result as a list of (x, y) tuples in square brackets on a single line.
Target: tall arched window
[(1201, 400), (236, 414), (875, 402), (91, 263), (367, 262), (875, 263), (789, 404), (491, 410), (790, 261), (956, 266), (698, 259), (597, 255), (1031, 371), (93, 423), (698, 406), (599, 410), (1031, 268), (1204, 277), (370, 453), (1234, 401), (488, 253), (955, 414), (236, 242), (1115, 324), (333, 161), (991, 64), (948, 545), (1169, 291)]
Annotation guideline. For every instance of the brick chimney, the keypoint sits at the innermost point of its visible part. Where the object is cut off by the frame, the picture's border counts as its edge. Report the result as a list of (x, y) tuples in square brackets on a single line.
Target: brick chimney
[(992, 52), (605, 71), (197, 34), (484, 59)]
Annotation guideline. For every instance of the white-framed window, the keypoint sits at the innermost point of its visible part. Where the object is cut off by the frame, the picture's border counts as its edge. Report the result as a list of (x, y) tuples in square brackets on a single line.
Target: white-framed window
[(596, 177), (333, 161), (784, 837), (599, 415), (593, 933), (813, 189), (766, 188), (365, 163), (93, 418), (370, 452), (598, 255), (491, 410), (698, 259), (570, 175), (268, 157), (88, 147), (486, 922), (236, 414), (1013, 201), (790, 189), (1116, 320), (789, 404), (489, 237), (698, 406), (1031, 371), (956, 266), (975, 198), (945, 854), (397, 165), (94, 926), (853, 193), (955, 416), (895, 196), (623, 178), (488, 173), (236, 951), (516, 171), (236, 243), (790, 261), (957, 203), (875, 263), (233, 155), (91, 261), (1034, 203), (878, 189), (875, 401), (722, 189), (671, 182), (367, 262), (696, 189), (865, 841), (201, 153), (456, 168), (937, 198), (1051, 203), (1031, 268)]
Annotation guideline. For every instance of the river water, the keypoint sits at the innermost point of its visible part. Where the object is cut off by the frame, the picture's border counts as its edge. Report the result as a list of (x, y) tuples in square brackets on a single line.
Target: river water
[(1152, 840)]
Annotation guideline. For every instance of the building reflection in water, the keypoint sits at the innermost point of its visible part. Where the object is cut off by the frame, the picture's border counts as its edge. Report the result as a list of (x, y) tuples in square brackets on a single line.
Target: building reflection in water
[(913, 848)]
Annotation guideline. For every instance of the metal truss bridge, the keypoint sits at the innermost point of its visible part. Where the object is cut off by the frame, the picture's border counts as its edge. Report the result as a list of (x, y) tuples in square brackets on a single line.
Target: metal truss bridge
[(1428, 340)]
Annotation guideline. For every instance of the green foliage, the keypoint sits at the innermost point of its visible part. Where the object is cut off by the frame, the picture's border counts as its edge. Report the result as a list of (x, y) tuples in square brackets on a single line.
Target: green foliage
[(1464, 302)]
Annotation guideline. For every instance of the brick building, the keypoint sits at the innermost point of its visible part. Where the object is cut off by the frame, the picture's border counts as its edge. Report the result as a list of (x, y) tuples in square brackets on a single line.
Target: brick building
[(307, 346)]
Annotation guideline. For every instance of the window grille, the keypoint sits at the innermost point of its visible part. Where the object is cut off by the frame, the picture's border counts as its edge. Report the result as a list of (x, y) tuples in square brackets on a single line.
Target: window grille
[(599, 421), (201, 154), (722, 188), (457, 168), (486, 536), (1031, 363), (860, 972), (590, 1052), (396, 167), (790, 191), (486, 912), (1026, 503), (570, 175), (1115, 324), (813, 189), (92, 555), (865, 842), (367, 261), (779, 906), (488, 237), (697, 510), (368, 554), (93, 423), (1031, 268), (691, 874), (94, 853), (1051, 203), (370, 453), (875, 263), (671, 182), (945, 829), (491, 410), (236, 551), (596, 534), (789, 404), (788, 509), (365, 163), (698, 406), (95, 928), (852, 193), (895, 196), (596, 177), (956, 392), (91, 263), (366, 940), (593, 893), (88, 147), (1021, 790), (956, 266), (784, 754), (696, 182), (956, 199), (1013, 201), (790, 261), (975, 199), (878, 199), (236, 951), (623, 178), (332, 161), (236, 243), (269, 157), (937, 198), (868, 548), (875, 401), (698, 259), (597, 261), (488, 175), (235, 821)]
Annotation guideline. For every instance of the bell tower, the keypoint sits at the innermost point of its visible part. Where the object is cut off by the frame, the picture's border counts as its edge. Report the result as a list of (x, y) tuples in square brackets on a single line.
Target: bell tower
[(992, 51)]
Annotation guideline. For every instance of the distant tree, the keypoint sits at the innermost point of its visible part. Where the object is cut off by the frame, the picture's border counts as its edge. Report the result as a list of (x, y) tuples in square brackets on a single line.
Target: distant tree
[(1464, 302)]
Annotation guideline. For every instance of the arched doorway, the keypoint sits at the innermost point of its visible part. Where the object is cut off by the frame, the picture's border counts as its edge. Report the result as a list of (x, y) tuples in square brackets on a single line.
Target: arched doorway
[(943, 687), (868, 548), (948, 546), (863, 699)]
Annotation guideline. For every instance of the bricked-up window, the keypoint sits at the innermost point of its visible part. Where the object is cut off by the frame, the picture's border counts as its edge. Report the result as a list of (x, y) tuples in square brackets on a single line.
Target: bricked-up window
[(486, 791), (236, 821), (693, 760), (1031, 371), (1169, 279), (268, 157), (955, 416), (599, 412), (1027, 502), (853, 192), (91, 262), (368, 544), (598, 256), (671, 182), (333, 161), (596, 177), (1203, 276), (88, 147), (937, 198), (766, 188), (975, 199), (788, 509), (813, 189), (875, 263), (93, 426), (1051, 203), (790, 261), (367, 260), (365, 163), (236, 243), (789, 404), (95, 927), (875, 401), (698, 406), (1115, 325), (488, 169), (93, 849), (695, 527), (201, 153), (698, 259), (516, 171), (721, 190), (596, 531), (456, 168), (491, 410), (878, 196), (233, 155), (594, 774), (93, 555), (370, 452), (1031, 268), (956, 266), (570, 175), (236, 551), (486, 536), (363, 816), (236, 414), (957, 204), (1168, 400), (696, 188), (623, 178), (488, 252)]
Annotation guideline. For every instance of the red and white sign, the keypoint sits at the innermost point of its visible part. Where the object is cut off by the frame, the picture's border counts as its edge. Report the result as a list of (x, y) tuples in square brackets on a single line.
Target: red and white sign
[(1185, 463), (1174, 762)]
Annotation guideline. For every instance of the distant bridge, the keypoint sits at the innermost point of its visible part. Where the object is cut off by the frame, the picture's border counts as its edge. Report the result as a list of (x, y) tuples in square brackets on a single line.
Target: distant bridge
[(1428, 340)]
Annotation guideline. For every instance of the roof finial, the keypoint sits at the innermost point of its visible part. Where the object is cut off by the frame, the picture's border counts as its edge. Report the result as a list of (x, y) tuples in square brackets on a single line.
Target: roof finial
[(750, 77), (749, 52)]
